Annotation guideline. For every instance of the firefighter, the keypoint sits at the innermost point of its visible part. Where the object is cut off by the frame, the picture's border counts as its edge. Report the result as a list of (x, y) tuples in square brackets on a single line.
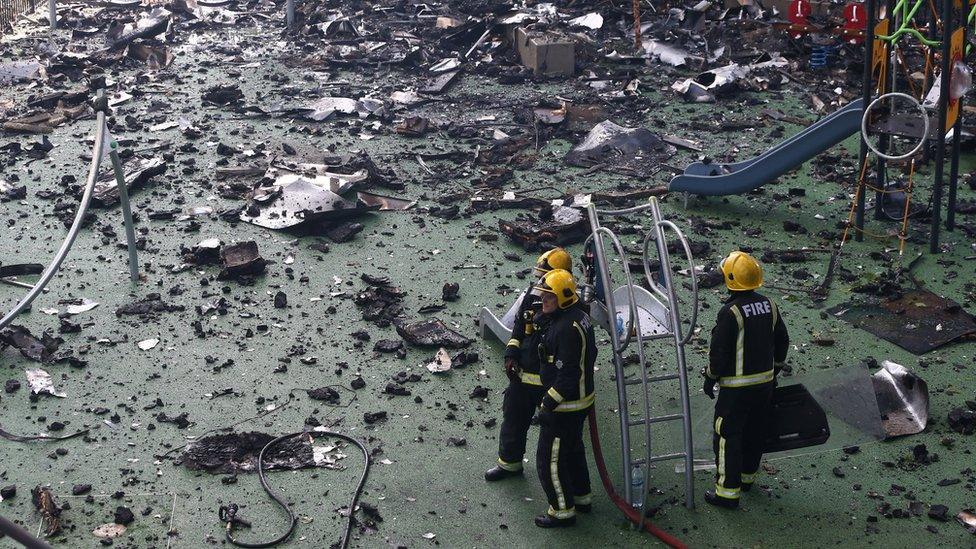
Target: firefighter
[(748, 349), (524, 390), (567, 351)]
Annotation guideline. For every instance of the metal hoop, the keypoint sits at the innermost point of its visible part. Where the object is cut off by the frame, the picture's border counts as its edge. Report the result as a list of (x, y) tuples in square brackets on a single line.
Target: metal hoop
[(925, 121)]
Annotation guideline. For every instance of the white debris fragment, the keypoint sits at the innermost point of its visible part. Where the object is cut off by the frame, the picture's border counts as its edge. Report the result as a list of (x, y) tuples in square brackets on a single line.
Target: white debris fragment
[(83, 307), (408, 97), (109, 531), (41, 384), (592, 21), (327, 456), (441, 362), (147, 344)]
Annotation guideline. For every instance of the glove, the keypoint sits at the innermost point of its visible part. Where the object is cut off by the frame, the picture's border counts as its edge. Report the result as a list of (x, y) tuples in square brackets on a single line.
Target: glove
[(512, 369), (709, 387)]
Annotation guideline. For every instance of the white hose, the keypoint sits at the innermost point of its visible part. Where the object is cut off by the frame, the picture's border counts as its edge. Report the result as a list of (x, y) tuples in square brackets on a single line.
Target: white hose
[(52, 269)]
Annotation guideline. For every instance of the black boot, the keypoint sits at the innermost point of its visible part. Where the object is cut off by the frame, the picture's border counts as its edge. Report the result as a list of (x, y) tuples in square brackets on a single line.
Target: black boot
[(718, 501), (584, 507), (746, 486), (498, 473), (549, 521)]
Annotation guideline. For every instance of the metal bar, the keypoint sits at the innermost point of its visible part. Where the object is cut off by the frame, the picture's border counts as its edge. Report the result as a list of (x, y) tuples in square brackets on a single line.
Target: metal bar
[(664, 377), (656, 419), (694, 281), (666, 457), (625, 211), (52, 269), (652, 379), (941, 129), (679, 349), (18, 283), (889, 76), (662, 457), (636, 327), (615, 342), (652, 337), (289, 13), (130, 233), (950, 222), (633, 319), (933, 30), (866, 95), (21, 536), (52, 14), (598, 234), (647, 270), (480, 41)]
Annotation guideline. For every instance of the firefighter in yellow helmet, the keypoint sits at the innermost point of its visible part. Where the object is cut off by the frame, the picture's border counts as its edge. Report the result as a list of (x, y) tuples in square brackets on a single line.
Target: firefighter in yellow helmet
[(525, 389), (567, 352), (748, 349)]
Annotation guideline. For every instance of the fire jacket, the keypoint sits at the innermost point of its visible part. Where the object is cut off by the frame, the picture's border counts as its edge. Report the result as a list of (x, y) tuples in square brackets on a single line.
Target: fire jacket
[(749, 341), (568, 351)]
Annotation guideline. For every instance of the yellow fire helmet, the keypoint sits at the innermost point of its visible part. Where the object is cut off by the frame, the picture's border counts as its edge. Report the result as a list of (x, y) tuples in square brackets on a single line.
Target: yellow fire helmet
[(556, 258), (560, 283), (741, 272)]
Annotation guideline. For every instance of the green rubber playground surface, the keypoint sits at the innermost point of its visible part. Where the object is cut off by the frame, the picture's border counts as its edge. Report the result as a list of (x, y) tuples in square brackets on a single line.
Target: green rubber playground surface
[(427, 491)]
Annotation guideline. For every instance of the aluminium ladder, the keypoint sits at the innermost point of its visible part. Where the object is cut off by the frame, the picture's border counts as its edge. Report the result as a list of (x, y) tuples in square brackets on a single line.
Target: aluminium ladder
[(646, 317)]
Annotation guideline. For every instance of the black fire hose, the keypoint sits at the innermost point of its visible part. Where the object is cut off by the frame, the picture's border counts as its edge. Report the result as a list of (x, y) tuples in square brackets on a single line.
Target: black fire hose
[(20, 535), (228, 513)]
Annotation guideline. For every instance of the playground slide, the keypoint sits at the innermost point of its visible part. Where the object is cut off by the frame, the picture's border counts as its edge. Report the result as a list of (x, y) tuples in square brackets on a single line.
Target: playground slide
[(740, 177)]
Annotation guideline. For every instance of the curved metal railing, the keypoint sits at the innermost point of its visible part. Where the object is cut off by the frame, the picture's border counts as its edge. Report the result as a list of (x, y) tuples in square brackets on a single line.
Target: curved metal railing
[(666, 303), (52, 269)]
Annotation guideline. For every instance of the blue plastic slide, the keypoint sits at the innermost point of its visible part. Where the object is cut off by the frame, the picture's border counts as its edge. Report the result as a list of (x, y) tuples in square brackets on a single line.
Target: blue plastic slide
[(740, 177)]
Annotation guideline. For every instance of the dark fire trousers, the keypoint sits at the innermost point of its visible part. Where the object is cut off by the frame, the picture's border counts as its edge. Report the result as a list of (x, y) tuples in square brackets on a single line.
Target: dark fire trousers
[(519, 405), (741, 419), (561, 462)]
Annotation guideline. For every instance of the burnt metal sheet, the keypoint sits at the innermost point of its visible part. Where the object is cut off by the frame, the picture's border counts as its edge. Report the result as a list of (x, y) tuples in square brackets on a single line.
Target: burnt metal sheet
[(918, 321), (138, 172), (903, 400), (234, 453), (431, 333), (385, 203), (609, 143), (561, 227), (42, 349), (299, 201), (240, 259), (20, 269)]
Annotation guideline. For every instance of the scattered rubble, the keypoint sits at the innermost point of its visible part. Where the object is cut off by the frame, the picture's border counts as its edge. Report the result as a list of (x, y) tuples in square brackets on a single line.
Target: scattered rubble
[(44, 349), (241, 260), (235, 453), (40, 383), (431, 333), (463, 115), (918, 321), (963, 420)]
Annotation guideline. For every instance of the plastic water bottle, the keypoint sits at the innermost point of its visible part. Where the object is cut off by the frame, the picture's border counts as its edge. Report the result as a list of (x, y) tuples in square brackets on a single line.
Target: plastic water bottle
[(620, 326), (637, 486)]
